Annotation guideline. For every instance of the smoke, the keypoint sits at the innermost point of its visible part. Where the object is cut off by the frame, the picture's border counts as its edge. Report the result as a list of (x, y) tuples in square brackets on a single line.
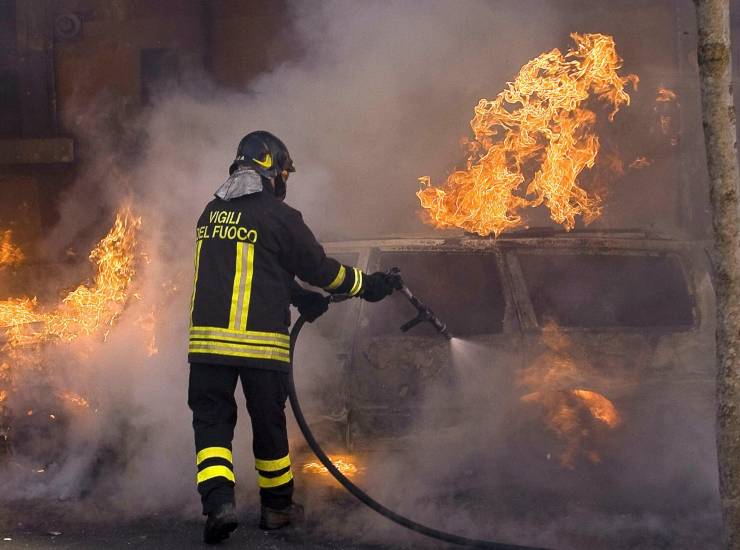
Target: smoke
[(380, 95)]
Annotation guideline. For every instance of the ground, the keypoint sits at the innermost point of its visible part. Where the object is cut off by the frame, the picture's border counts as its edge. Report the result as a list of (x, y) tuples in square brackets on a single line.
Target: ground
[(37, 526)]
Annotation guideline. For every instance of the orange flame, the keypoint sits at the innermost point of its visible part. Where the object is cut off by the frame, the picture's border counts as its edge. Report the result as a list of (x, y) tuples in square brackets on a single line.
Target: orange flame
[(600, 407), (570, 413), (640, 163), (10, 254), (74, 399), (665, 95), (87, 308), (538, 119), (343, 463)]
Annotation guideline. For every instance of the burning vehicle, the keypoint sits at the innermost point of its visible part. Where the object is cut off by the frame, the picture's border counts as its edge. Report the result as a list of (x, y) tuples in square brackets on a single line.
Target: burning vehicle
[(575, 322)]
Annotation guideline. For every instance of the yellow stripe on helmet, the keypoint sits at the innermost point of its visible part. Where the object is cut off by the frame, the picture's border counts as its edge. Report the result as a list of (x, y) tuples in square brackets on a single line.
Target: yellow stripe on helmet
[(266, 162)]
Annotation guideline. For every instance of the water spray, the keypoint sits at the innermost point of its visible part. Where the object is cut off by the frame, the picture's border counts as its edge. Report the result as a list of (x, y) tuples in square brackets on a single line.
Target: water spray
[(425, 314)]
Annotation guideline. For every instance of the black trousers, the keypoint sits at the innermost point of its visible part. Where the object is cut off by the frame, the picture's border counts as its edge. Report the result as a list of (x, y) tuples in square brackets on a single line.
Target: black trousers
[(211, 398)]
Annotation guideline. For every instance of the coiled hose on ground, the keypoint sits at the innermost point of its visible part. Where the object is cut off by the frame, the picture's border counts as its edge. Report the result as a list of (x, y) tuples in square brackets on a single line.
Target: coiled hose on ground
[(359, 493)]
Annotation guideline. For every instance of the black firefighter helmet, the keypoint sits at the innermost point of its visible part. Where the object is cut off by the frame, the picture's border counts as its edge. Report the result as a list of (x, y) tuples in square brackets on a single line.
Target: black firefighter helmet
[(264, 153)]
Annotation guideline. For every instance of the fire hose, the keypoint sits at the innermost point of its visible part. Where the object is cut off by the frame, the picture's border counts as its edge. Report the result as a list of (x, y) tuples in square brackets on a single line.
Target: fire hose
[(424, 314)]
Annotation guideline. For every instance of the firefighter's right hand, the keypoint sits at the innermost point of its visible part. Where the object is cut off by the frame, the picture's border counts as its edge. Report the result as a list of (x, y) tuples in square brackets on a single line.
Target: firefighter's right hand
[(311, 305), (377, 285)]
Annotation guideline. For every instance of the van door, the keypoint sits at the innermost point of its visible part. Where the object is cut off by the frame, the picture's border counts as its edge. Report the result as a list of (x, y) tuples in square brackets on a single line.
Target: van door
[(403, 385)]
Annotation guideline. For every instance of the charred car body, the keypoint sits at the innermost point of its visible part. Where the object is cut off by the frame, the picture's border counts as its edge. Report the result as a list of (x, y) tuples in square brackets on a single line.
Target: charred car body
[(584, 354)]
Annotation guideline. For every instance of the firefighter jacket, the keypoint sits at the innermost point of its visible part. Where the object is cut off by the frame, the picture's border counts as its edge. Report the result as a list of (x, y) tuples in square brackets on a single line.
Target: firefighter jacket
[(248, 252)]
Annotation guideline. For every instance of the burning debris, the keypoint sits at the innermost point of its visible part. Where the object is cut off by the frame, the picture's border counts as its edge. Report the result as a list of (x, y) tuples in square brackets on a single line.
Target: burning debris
[(74, 399), (533, 141), (574, 414), (640, 163), (666, 109), (665, 95), (343, 463)]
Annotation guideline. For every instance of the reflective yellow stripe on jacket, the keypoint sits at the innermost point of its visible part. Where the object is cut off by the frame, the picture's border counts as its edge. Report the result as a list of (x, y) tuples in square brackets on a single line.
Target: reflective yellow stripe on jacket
[(240, 336), (338, 280), (195, 277), (241, 293), (358, 282), (240, 343)]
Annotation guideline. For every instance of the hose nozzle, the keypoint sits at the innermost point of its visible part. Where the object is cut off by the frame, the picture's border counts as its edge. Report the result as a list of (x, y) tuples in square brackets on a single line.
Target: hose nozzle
[(425, 313)]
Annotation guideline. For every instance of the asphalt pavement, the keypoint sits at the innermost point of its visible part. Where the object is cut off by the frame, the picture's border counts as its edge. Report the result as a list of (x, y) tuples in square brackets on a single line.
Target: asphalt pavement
[(37, 525)]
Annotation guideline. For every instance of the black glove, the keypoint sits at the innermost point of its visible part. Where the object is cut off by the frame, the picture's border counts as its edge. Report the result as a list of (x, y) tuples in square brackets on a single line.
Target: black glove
[(377, 286), (311, 305)]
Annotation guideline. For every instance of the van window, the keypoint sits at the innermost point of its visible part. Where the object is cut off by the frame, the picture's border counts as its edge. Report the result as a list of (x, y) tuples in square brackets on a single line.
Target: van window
[(463, 289), (607, 290)]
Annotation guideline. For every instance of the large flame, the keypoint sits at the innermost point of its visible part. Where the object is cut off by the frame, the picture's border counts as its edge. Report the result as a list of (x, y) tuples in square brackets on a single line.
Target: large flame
[(88, 308), (533, 141)]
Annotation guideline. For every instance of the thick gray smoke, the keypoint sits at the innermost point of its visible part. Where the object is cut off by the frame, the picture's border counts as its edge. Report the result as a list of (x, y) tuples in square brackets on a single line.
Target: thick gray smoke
[(381, 95)]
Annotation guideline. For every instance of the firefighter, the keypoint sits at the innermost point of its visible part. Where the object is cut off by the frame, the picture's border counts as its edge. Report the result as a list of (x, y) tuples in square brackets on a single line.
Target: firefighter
[(250, 247)]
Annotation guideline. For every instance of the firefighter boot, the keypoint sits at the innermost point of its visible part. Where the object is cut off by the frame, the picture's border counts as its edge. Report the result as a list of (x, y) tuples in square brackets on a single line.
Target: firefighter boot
[(220, 523), (277, 519)]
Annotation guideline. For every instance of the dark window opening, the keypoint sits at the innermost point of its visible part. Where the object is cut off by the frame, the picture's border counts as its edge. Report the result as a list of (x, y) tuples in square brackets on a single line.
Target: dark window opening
[(7, 24), (10, 104), (10, 97), (579, 290), (159, 68), (463, 289)]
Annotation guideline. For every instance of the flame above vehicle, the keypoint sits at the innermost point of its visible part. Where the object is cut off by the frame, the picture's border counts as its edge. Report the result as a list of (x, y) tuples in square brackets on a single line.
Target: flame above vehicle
[(532, 142), (574, 414)]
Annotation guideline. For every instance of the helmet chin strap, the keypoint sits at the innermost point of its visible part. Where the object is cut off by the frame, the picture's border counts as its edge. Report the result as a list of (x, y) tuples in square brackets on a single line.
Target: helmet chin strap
[(280, 187), (276, 185)]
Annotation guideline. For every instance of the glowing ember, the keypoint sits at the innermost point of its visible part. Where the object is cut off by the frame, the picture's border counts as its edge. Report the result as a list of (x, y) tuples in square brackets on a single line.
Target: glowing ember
[(666, 107), (88, 307), (148, 324), (74, 399), (600, 407), (639, 163), (532, 142), (665, 95), (10, 254), (343, 463)]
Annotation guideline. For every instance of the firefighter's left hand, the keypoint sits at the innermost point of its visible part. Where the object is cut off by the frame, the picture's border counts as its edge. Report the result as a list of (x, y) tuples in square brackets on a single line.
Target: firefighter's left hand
[(311, 305)]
